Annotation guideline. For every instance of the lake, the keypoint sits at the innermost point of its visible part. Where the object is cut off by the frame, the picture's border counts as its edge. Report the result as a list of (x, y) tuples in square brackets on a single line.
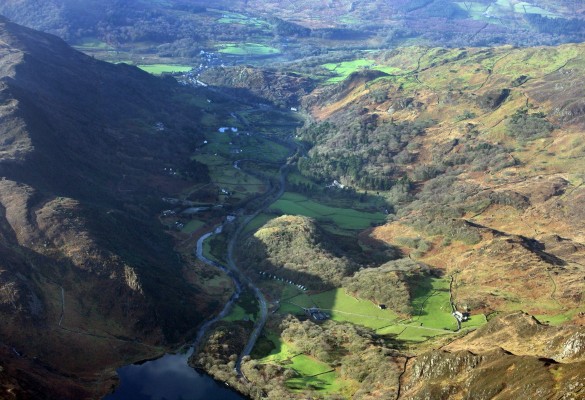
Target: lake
[(168, 378)]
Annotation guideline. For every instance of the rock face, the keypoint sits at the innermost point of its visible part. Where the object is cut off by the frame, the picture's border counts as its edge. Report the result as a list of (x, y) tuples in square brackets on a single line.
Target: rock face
[(543, 362), (88, 281)]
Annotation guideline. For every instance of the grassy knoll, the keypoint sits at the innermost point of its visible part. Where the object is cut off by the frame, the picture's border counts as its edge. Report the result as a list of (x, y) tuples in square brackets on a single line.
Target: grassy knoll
[(247, 49), (158, 69), (297, 204)]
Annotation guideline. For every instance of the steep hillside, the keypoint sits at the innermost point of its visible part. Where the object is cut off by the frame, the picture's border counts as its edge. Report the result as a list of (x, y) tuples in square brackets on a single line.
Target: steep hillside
[(88, 281)]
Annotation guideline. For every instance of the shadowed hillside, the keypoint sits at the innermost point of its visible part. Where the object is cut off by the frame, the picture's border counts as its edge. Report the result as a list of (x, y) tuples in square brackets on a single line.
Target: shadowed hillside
[(87, 280)]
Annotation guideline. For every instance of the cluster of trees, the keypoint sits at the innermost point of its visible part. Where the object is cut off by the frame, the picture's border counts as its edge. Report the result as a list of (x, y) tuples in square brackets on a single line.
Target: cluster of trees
[(362, 152), (528, 126), (557, 26), (387, 284), (295, 249), (477, 156)]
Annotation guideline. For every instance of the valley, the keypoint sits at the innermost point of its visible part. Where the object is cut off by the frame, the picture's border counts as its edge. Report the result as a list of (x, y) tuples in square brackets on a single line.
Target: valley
[(324, 200)]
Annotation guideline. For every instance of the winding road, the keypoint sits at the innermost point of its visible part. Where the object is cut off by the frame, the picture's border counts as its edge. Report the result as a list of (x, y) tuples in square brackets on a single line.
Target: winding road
[(237, 276)]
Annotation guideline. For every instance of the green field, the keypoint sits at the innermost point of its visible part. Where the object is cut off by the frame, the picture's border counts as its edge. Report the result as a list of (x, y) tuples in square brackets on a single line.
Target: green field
[(502, 8), (158, 69), (432, 306), (314, 374), (297, 204), (342, 308), (247, 49), (245, 309), (237, 182), (237, 146), (214, 254), (432, 316), (192, 226), (346, 68)]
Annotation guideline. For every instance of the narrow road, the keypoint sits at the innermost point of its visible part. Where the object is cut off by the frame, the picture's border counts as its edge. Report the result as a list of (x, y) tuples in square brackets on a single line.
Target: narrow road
[(237, 276)]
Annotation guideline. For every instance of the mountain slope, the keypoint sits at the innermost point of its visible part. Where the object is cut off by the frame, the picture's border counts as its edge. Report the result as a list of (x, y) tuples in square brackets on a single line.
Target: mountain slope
[(88, 280)]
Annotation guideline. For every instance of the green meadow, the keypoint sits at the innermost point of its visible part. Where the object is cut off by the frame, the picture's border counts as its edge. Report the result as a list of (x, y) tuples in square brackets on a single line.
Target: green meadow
[(296, 204), (247, 49), (346, 68)]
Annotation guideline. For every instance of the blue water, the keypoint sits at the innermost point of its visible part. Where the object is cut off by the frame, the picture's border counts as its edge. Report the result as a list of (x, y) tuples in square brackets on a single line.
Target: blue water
[(168, 378)]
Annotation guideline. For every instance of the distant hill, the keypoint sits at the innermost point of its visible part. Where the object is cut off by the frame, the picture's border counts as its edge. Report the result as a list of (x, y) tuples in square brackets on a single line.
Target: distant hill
[(88, 280)]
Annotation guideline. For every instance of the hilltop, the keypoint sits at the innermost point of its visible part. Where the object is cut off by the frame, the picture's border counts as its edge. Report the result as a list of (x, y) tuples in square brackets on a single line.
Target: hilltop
[(88, 279)]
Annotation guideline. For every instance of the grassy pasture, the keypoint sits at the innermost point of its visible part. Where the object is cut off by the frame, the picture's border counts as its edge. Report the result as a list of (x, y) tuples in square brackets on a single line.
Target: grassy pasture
[(432, 307), (432, 316), (242, 146), (224, 175), (158, 69), (297, 204)]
